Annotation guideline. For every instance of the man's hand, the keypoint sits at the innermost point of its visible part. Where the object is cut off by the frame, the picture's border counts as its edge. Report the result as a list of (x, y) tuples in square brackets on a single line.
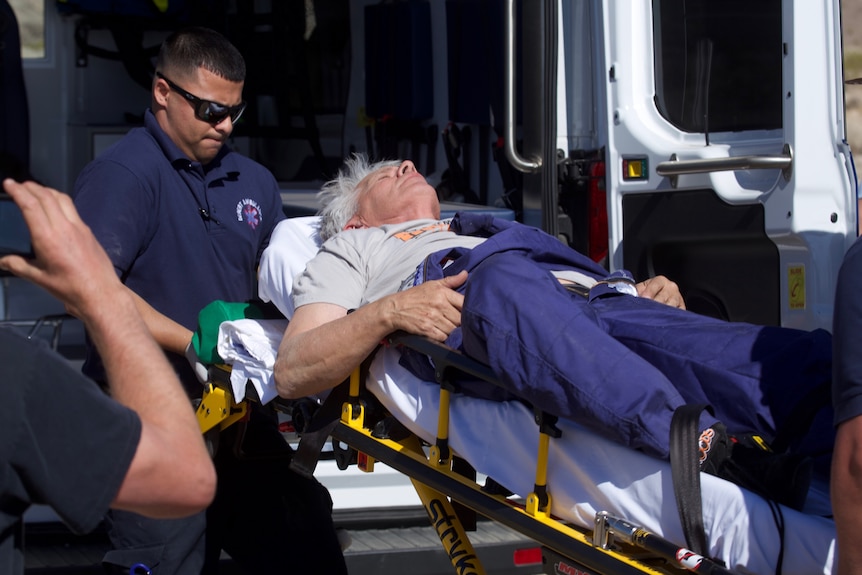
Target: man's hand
[(323, 343), (171, 474), (432, 309), (661, 290), (69, 262)]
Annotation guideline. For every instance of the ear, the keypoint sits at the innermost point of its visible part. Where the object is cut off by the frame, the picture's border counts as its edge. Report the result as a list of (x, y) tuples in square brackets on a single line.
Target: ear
[(354, 223), (160, 92)]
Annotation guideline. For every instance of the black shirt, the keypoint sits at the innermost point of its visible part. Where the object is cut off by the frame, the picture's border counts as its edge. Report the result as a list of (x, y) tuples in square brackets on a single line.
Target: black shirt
[(63, 442)]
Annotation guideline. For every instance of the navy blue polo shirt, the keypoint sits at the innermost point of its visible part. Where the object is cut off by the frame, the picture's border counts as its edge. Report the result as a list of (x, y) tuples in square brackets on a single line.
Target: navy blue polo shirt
[(180, 234)]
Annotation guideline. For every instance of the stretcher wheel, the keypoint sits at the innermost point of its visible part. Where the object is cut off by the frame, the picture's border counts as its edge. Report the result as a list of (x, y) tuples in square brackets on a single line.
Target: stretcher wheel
[(344, 454)]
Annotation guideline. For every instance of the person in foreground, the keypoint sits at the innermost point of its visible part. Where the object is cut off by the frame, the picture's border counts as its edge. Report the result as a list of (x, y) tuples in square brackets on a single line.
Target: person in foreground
[(846, 488), (63, 441), (617, 359), (184, 219)]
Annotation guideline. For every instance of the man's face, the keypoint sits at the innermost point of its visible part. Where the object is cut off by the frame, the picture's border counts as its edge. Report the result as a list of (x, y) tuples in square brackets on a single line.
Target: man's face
[(395, 194), (198, 139)]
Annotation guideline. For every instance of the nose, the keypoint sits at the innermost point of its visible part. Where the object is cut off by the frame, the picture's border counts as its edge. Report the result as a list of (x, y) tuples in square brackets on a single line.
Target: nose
[(224, 126), (406, 167)]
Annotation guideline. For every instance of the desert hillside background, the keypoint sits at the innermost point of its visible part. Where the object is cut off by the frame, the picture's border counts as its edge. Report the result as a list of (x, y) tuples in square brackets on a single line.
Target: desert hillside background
[(851, 22), (29, 14)]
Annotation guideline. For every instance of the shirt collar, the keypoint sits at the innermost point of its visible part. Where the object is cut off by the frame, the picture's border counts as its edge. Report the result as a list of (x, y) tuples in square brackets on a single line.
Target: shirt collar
[(175, 156)]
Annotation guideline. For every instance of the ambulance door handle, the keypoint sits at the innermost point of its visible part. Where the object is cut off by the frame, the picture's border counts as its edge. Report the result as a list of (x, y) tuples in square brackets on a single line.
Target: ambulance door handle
[(675, 168), (526, 165)]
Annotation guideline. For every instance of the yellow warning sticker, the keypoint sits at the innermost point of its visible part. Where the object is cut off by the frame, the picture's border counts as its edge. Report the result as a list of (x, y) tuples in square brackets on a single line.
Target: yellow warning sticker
[(796, 286), (363, 119)]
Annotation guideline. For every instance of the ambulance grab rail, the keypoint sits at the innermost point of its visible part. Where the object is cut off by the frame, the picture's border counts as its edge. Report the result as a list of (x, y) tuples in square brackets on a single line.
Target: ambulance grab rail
[(525, 165), (674, 167)]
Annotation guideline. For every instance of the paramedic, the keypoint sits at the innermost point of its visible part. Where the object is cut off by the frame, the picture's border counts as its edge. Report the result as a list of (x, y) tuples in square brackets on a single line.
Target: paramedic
[(184, 220), (846, 486), (63, 441), (643, 361)]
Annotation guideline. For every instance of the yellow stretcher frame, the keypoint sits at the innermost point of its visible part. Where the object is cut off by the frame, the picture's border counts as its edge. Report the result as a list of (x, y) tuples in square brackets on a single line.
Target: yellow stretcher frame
[(613, 547)]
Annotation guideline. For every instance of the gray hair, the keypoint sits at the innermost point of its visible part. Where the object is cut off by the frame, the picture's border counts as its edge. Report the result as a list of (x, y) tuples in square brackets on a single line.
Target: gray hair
[(339, 197)]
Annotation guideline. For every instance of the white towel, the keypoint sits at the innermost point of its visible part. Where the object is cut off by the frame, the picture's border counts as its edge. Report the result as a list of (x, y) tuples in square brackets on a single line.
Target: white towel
[(250, 347)]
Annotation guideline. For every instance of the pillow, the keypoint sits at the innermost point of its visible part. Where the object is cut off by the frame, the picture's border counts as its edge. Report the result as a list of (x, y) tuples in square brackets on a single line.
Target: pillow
[(293, 243)]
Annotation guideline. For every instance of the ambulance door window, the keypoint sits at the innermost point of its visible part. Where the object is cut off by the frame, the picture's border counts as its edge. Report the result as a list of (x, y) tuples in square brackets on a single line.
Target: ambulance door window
[(31, 26), (718, 64)]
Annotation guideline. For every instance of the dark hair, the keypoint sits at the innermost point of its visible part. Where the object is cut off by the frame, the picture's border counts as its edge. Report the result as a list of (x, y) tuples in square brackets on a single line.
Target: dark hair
[(186, 50)]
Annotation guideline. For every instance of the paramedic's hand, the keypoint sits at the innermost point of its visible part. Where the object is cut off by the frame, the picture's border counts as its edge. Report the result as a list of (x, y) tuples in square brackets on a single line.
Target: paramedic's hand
[(432, 309), (69, 262), (661, 290), (198, 367)]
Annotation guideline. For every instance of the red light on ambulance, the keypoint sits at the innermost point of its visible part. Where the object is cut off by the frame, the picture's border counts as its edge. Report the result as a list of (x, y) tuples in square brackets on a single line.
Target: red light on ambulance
[(598, 213)]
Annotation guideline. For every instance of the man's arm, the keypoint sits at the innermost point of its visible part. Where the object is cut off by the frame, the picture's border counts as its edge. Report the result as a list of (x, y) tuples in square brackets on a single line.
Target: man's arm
[(323, 343), (170, 335), (846, 491), (846, 476), (171, 474)]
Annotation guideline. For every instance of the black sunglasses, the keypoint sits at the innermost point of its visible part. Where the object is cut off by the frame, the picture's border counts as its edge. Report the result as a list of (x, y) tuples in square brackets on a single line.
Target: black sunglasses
[(206, 110)]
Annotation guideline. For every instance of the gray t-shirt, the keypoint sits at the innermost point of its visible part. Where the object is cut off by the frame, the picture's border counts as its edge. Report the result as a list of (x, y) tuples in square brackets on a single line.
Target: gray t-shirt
[(357, 267)]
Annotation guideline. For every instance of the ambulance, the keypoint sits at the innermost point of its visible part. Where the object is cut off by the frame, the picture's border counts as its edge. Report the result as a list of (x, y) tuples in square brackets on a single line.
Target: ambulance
[(702, 140)]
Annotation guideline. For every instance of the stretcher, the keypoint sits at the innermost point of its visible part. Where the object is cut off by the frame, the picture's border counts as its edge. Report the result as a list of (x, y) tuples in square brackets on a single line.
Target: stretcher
[(594, 506)]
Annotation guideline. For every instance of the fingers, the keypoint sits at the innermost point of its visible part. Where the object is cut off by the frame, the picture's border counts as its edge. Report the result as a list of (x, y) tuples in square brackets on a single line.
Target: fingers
[(42, 208), (649, 288), (432, 309), (29, 206), (26, 194), (439, 310), (67, 207), (662, 290), (14, 264), (456, 281), (68, 262)]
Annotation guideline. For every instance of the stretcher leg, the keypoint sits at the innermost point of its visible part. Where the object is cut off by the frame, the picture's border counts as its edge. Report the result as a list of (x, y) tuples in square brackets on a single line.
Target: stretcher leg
[(539, 501), (440, 454), (449, 529)]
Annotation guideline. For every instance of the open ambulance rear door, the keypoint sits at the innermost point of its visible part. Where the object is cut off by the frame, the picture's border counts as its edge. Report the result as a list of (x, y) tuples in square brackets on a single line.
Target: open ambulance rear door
[(727, 168)]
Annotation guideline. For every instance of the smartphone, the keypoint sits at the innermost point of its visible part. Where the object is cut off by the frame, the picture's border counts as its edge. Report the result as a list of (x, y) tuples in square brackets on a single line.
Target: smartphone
[(14, 234)]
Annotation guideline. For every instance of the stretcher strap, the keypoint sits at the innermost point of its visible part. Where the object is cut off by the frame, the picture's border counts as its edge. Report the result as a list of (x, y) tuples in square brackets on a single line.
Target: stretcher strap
[(319, 429), (685, 470)]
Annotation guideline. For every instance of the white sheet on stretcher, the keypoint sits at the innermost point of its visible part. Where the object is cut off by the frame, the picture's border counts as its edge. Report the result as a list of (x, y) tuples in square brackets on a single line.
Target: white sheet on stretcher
[(587, 473)]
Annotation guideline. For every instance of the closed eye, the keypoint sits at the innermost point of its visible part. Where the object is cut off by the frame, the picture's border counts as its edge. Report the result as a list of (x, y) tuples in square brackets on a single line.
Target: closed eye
[(383, 175)]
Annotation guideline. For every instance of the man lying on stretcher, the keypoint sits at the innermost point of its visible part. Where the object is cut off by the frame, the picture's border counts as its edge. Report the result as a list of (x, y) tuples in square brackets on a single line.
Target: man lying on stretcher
[(618, 360)]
